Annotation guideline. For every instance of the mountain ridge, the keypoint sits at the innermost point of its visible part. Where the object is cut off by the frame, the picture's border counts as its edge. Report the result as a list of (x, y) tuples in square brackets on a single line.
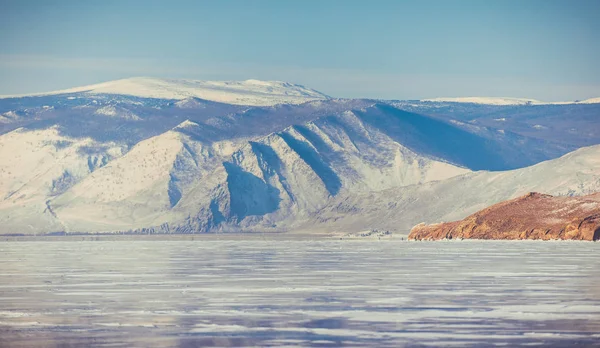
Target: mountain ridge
[(248, 92), (105, 163), (507, 101), (280, 91)]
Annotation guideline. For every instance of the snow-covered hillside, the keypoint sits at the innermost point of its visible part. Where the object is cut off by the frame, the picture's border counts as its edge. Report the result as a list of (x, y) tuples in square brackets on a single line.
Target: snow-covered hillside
[(577, 173), (175, 179), (276, 185), (249, 92), (38, 165)]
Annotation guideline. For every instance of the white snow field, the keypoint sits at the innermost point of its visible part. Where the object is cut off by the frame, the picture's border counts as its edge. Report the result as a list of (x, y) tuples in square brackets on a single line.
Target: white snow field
[(249, 92), (261, 292)]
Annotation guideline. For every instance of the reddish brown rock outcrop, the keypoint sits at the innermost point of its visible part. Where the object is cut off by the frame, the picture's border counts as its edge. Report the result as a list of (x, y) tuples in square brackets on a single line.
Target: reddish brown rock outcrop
[(533, 216)]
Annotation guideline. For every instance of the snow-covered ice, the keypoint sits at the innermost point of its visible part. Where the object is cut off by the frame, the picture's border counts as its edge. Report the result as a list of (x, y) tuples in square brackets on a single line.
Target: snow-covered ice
[(261, 292)]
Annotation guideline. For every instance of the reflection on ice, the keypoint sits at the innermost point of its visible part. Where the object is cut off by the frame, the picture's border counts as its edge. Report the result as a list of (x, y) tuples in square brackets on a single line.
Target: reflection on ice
[(300, 293)]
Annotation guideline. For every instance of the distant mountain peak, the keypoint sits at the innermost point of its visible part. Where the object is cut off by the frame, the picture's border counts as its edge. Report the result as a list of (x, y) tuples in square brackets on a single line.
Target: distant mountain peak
[(591, 101), (118, 112), (186, 125), (249, 92), (488, 100), (190, 103), (501, 101)]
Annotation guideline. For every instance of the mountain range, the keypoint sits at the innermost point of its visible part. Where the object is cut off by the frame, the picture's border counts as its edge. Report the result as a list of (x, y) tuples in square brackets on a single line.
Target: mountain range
[(146, 155)]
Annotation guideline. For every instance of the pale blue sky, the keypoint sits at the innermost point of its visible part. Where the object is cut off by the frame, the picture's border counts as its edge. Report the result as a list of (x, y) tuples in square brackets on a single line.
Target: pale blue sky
[(396, 49)]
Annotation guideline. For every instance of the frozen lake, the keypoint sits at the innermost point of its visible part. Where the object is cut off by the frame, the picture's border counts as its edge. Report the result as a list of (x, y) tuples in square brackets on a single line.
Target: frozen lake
[(298, 293)]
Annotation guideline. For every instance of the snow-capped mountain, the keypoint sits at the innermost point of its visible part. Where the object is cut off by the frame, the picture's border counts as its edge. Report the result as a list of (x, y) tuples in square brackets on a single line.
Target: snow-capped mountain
[(115, 111), (98, 160), (590, 101), (488, 100), (249, 92), (507, 101)]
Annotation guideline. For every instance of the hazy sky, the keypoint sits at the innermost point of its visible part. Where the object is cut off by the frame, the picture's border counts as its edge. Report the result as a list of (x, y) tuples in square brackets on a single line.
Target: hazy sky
[(548, 50)]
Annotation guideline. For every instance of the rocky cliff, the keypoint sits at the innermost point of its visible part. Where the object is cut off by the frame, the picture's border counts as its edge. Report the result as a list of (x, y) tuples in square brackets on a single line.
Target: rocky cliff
[(532, 216)]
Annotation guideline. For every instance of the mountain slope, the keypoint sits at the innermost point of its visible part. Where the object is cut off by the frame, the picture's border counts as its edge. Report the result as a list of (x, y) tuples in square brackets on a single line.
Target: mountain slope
[(558, 128), (136, 188), (271, 185), (576, 173), (188, 184), (38, 165)]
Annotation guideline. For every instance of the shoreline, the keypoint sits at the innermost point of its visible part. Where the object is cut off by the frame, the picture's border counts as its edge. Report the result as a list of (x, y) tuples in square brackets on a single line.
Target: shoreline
[(253, 236)]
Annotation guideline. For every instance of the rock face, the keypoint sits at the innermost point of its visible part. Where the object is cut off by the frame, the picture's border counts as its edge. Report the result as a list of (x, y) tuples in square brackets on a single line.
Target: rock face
[(532, 216)]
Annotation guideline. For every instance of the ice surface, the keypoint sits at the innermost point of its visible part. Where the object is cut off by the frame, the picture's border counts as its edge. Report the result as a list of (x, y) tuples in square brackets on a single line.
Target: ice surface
[(260, 292)]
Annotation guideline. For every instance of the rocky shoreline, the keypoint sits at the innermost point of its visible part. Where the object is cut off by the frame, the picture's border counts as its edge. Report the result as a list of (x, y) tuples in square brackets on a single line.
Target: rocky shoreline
[(532, 216)]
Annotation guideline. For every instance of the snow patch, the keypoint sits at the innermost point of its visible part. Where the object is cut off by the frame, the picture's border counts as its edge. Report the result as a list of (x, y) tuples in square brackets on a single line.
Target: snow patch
[(113, 111), (187, 124)]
